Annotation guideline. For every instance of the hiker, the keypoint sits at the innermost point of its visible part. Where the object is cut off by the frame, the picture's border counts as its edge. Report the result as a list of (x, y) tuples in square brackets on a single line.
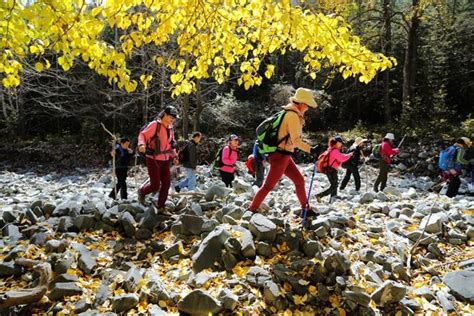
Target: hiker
[(455, 166), (258, 165), (157, 142), (122, 155), (288, 138), (386, 154), (334, 160), (228, 158), (352, 165), (189, 160)]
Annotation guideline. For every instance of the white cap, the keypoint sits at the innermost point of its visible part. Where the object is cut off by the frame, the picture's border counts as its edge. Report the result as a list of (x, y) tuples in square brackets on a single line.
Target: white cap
[(390, 136)]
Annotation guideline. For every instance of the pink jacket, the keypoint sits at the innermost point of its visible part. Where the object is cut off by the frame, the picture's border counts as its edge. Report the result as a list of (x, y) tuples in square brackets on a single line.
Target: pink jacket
[(229, 158), (166, 135), (386, 151), (336, 158)]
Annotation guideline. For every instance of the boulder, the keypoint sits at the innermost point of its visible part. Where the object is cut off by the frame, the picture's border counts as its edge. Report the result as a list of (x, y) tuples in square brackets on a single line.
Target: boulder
[(210, 250), (199, 302), (388, 293), (123, 303), (461, 284), (263, 228), (60, 290)]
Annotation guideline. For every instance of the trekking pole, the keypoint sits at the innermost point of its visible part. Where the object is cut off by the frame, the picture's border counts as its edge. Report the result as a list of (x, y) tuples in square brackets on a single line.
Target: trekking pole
[(401, 142), (305, 210), (114, 175)]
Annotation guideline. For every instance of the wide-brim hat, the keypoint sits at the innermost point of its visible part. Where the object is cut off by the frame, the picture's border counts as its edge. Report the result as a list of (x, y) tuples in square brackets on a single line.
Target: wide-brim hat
[(303, 95), (390, 136), (467, 141), (359, 140)]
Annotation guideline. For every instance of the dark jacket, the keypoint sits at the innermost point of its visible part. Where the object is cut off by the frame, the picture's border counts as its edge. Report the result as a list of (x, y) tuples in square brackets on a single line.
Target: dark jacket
[(122, 157), (356, 156), (190, 155)]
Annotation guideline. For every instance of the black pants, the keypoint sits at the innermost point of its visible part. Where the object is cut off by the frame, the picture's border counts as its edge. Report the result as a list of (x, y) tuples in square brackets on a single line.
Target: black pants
[(259, 172), (351, 170), (453, 186), (121, 184), (332, 177), (383, 175), (227, 177)]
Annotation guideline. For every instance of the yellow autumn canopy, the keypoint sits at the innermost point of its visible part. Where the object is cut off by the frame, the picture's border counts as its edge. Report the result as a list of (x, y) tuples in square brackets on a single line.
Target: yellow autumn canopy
[(210, 37)]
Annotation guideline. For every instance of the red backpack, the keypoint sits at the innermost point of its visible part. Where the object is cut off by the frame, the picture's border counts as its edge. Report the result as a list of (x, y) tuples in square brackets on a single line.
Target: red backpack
[(323, 162), (249, 164)]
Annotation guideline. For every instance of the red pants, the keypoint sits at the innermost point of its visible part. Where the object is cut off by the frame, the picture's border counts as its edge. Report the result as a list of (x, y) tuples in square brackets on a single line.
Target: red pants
[(160, 179), (280, 165)]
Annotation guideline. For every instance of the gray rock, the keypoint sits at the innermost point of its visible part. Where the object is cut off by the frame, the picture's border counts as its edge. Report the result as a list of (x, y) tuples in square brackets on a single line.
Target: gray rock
[(228, 299), (192, 224), (216, 191), (245, 239), (155, 310), (132, 279), (64, 263), (425, 292), (8, 269), (199, 302), (271, 294), (461, 284), (359, 298), (311, 248), (103, 293), (209, 250), (31, 216), (338, 263), (196, 209), (86, 262), (263, 228), (129, 224), (367, 197), (392, 191), (84, 222), (81, 306), (173, 250), (11, 230), (388, 293), (9, 216), (435, 223), (257, 276), (123, 303), (60, 290), (321, 221), (209, 225), (157, 289), (67, 208), (264, 249), (445, 302), (65, 278), (55, 246)]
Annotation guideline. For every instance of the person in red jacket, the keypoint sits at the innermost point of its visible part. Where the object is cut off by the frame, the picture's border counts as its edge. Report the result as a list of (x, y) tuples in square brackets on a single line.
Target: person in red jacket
[(336, 159), (386, 154), (229, 158), (157, 142)]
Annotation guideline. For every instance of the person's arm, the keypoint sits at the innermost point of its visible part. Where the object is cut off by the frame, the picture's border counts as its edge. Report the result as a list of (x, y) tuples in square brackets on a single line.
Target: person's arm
[(388, 150), (294, 129), (340, 157), (226, 157)]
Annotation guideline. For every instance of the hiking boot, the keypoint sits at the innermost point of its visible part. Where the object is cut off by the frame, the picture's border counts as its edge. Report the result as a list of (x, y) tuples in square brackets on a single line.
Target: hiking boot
[(163, 211), (141, 197), (177, 188)]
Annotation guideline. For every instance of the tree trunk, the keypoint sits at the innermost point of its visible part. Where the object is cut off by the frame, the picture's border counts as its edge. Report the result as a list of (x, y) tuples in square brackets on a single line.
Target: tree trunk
[(387, 49), (409, 66), (185, 115), (199, 108)]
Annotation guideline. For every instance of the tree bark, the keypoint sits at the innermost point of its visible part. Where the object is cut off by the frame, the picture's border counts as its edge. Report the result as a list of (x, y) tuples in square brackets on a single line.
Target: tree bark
[(199, 108), (185, 115), (387, 49), (409, 66)]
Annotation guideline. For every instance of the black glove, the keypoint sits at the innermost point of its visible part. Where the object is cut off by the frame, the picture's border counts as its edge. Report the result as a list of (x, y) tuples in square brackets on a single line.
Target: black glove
[(314, 150), (174, 144)]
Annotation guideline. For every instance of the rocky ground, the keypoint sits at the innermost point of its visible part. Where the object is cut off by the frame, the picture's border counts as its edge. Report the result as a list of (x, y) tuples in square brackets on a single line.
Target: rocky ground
[(404, 250)]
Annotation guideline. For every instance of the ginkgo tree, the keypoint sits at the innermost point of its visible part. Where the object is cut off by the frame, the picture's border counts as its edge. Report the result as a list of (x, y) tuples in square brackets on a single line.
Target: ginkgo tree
[(212, 37)]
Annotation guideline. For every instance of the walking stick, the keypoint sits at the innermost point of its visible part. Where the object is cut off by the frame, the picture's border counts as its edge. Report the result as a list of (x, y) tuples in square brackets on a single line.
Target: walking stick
[(114, 141), (305, 210), (401, 142)]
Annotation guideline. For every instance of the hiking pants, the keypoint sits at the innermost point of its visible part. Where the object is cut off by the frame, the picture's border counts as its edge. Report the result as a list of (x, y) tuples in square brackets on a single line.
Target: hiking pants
[(332, 177), (190, 181), (280, 165), (259, 172), (160, 179), (382, 178), (121, 186), (453, 186), (227, 178), (351, 170)]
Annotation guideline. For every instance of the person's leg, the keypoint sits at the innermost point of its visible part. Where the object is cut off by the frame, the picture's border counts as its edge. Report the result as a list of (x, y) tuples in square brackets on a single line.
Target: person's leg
[(164, 175), (153, 184), (355, 172), (333, 179), (278, 164), (185, 183), (453, 186), (295, 175), (259, 173), (227, 178), (379, 177), (328, 190), (384, 173), (122, 182), (346, 179), (191, 179)]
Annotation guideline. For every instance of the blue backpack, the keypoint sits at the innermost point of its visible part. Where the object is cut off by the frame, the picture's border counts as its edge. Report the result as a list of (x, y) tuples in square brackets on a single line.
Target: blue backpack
[(446, 158)]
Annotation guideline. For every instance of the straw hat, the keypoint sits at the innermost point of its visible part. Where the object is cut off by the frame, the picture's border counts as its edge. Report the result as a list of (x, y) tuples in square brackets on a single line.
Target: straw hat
[(360, 140), (305, 96)]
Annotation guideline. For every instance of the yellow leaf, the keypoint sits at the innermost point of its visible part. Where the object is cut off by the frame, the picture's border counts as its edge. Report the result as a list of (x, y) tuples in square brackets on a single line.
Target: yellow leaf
[(162, 304), (39, 67)]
